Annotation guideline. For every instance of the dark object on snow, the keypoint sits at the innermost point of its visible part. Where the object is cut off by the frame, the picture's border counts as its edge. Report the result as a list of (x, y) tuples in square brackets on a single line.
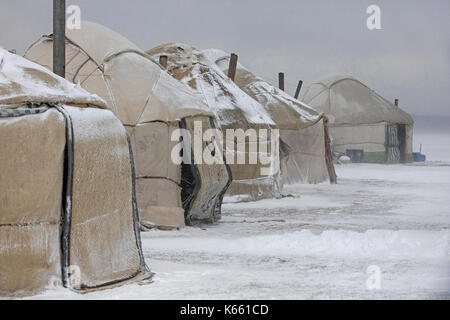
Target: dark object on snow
[(356, 155), (419, 157)]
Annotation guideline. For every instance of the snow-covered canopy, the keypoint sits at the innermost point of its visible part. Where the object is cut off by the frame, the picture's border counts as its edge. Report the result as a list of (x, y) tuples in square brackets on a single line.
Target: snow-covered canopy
[(285, 110), (24, 81), (135, 88), (352, 102), (230, 104)]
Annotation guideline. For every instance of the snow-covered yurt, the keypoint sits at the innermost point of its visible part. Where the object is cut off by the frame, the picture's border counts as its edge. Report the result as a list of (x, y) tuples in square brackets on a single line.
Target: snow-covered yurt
[(302, 129), (234, 110), (152, 106), (366, 126), (67, 202)]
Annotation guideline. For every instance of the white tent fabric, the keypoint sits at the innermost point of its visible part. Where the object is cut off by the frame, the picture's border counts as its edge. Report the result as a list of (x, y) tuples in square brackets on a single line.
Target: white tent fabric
[(301, 127), (362, 119), (230, 104), (148, 101), (352, 102), (134, 86), (286, 111), (22, 80), (233, 108), (67, 186)]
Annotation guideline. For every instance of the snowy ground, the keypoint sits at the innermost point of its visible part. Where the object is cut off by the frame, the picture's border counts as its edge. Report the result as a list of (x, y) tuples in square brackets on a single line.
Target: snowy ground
[(317, 244)]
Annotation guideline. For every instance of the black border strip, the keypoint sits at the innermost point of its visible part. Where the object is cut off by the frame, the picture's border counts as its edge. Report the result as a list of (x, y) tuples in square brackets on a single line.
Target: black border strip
[(273, 309), (197, 179), (66, 212), (218, 206), (136, 221)]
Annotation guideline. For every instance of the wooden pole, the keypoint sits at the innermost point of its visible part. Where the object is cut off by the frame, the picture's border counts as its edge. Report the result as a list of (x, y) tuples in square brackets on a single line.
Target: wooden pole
[(281, 81), (232, 66), (328, 154), (396, 102), (299, 87), (59, 37), (163, 61)]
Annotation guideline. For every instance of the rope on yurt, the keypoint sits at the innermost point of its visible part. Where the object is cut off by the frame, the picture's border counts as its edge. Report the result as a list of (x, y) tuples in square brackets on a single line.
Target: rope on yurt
[(136, 226), (27, 109), (66, 214), (190, 182), (218, 205)]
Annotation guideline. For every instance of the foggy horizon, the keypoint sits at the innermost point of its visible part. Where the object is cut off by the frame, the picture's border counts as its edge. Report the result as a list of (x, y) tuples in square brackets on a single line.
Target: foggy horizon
[(407, 59)]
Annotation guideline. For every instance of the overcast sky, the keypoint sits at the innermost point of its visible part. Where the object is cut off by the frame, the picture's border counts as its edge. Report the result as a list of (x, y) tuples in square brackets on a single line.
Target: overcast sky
[(409, 58)]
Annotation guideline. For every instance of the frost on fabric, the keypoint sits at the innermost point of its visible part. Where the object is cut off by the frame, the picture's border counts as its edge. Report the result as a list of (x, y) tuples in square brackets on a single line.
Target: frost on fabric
[(24, 81), (102, 124), (352, 102), (223, 96), (267, 94)]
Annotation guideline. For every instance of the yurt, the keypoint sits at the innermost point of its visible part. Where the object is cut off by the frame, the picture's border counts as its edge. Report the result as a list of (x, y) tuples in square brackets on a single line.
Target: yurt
[(234, 110), (303, 131), (152, 106), (366, 126), (67, 206)]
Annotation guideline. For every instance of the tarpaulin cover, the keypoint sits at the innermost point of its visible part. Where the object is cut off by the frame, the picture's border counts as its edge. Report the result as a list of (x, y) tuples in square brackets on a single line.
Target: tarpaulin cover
[(306, 161), (233, 108), (301, 127), (352, 102), (32, 157), (147, 100), (360, 117), (213, 177), (287, 112), (103, 240), (23, 81), (45, 226)]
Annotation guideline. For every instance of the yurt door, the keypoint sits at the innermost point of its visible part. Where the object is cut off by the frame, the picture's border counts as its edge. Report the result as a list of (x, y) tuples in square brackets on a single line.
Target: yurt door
[(402, 142), (392, 148), (203, 184)]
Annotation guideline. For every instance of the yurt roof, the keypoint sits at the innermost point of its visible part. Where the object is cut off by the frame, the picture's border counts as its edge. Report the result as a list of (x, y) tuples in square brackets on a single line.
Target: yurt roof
[(23, 81), (285, 110), (230, 104), (138, 89), (100, 42), (352, 102)]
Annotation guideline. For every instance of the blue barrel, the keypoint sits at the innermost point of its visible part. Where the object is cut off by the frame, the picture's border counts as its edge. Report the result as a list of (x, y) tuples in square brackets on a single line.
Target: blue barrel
[(418, 157)]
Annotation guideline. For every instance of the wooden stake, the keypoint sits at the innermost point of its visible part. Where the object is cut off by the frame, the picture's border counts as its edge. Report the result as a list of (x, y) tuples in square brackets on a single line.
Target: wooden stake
[(328, 154), (232, 66), (59, 37), (281, 81), (299, 87)]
